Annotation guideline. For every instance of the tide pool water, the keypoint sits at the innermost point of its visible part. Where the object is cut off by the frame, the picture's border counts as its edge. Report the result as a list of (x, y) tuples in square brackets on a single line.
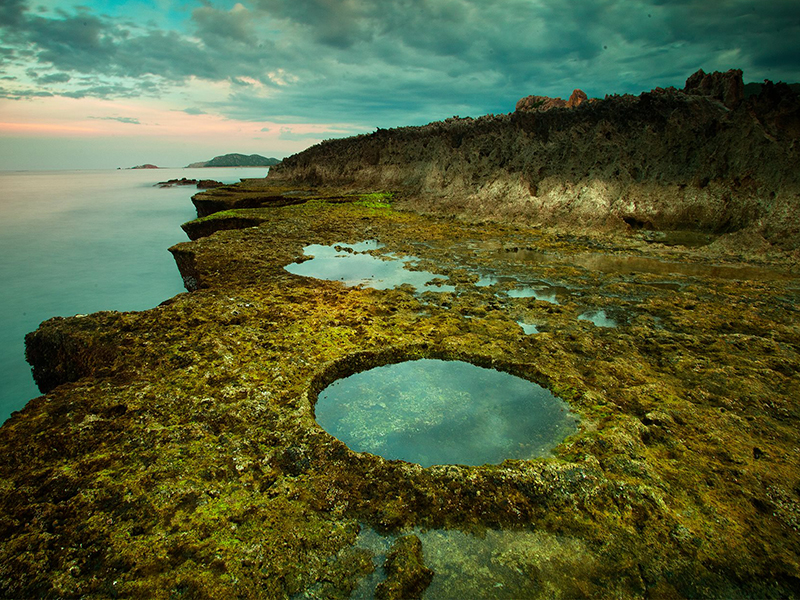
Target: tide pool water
[(444, 412), (353, 265), (75, 242), (598, 318)]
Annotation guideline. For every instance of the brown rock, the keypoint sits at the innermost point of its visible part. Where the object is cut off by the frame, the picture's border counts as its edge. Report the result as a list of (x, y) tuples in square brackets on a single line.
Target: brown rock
[(539, 103), (726, 87), (205, 184), (577, 98), (406, 574)]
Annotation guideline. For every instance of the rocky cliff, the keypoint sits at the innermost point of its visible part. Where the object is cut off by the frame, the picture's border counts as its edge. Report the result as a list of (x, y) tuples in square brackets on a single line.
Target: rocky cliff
[(701, 158)]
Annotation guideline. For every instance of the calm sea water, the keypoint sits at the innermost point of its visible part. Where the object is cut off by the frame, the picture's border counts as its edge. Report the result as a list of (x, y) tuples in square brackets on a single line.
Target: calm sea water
[(83, 241)]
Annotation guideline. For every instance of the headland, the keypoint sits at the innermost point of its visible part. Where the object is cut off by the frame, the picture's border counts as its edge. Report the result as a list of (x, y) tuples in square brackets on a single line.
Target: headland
[(174, 452)]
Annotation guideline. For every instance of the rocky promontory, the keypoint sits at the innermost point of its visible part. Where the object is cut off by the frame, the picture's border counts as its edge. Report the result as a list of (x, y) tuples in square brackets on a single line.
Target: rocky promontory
[(701, 158), (176, 453)]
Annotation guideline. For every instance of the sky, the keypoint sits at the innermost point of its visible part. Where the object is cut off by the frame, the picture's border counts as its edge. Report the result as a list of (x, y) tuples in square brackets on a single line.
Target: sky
[(105, 83)]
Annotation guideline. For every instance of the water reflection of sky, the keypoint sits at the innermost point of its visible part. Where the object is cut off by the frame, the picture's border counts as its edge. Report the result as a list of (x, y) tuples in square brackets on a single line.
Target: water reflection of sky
[(444, 412), (528, 328), (544, 295), (598, 317), (353, 265)]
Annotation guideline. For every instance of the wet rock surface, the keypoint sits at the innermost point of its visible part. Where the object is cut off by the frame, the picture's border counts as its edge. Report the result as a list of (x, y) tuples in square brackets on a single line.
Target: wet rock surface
[(407, 577), (175, 453)]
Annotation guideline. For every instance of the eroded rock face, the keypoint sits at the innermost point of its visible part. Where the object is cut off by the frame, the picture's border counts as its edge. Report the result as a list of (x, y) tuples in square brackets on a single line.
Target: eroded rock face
[(668, 160), (545, 103), (726, 87), (577, 98), (539, 103)]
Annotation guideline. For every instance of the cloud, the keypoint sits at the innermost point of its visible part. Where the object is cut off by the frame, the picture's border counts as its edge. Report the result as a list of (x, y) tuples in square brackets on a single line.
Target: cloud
[(12, 12), (51, 78), (127, 120), (290, 134), (25, 94), (217, 27), (193, 111), (375, 63)]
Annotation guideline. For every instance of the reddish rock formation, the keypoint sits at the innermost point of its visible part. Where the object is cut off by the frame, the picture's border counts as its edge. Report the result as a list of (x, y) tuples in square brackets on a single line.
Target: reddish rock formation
[(545, 103), (539, 103), (577, 98)]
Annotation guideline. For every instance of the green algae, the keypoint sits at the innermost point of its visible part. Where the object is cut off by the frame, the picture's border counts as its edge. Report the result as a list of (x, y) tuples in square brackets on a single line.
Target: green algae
[(376, 200), (179, 456)]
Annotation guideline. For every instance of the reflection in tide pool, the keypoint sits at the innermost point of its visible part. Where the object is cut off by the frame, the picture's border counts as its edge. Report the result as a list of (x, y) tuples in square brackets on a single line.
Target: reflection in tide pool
[(528, 328), (599, 318), (543, 295), (444, 412), (353, 265)]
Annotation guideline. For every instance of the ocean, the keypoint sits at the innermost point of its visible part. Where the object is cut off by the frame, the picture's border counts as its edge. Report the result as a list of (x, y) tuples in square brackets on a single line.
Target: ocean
[(76, 242)]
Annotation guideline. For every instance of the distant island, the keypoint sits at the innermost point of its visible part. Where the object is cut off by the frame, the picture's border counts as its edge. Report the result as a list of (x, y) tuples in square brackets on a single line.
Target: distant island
[(236, 160), (146, 166)]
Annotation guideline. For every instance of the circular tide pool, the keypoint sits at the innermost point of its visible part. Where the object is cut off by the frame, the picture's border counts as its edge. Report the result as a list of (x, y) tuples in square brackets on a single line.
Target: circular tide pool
[(444, 412)]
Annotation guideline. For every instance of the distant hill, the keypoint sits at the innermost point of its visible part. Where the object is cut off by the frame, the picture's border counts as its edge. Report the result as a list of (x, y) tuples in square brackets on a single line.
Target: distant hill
[(236, 160)]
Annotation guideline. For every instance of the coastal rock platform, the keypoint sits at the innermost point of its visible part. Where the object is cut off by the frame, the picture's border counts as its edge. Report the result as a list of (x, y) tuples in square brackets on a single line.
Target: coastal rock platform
[(174, 453)]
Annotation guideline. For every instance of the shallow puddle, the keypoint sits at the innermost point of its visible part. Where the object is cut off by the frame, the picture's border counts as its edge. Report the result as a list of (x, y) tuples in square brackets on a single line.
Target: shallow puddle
[(497, 564), (541, 294), (689, 239), (353, 265), (599, 318), (528, 328), (444, 412)]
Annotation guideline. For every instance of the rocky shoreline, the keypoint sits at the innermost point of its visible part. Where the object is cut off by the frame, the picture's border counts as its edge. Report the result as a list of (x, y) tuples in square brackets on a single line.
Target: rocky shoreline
[(174, 452), (702, 158)]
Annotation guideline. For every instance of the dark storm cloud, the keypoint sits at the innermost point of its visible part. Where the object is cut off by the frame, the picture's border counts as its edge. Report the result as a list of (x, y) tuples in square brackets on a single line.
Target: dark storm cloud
[(12, 12), (222, 27), (382, 63), (54, 78)]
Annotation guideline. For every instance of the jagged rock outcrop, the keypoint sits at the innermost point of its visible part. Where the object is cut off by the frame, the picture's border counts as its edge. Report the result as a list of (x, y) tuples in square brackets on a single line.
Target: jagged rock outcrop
[(539, 103), (577, 98), (726, 87), (545, 103), (667, 159)]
